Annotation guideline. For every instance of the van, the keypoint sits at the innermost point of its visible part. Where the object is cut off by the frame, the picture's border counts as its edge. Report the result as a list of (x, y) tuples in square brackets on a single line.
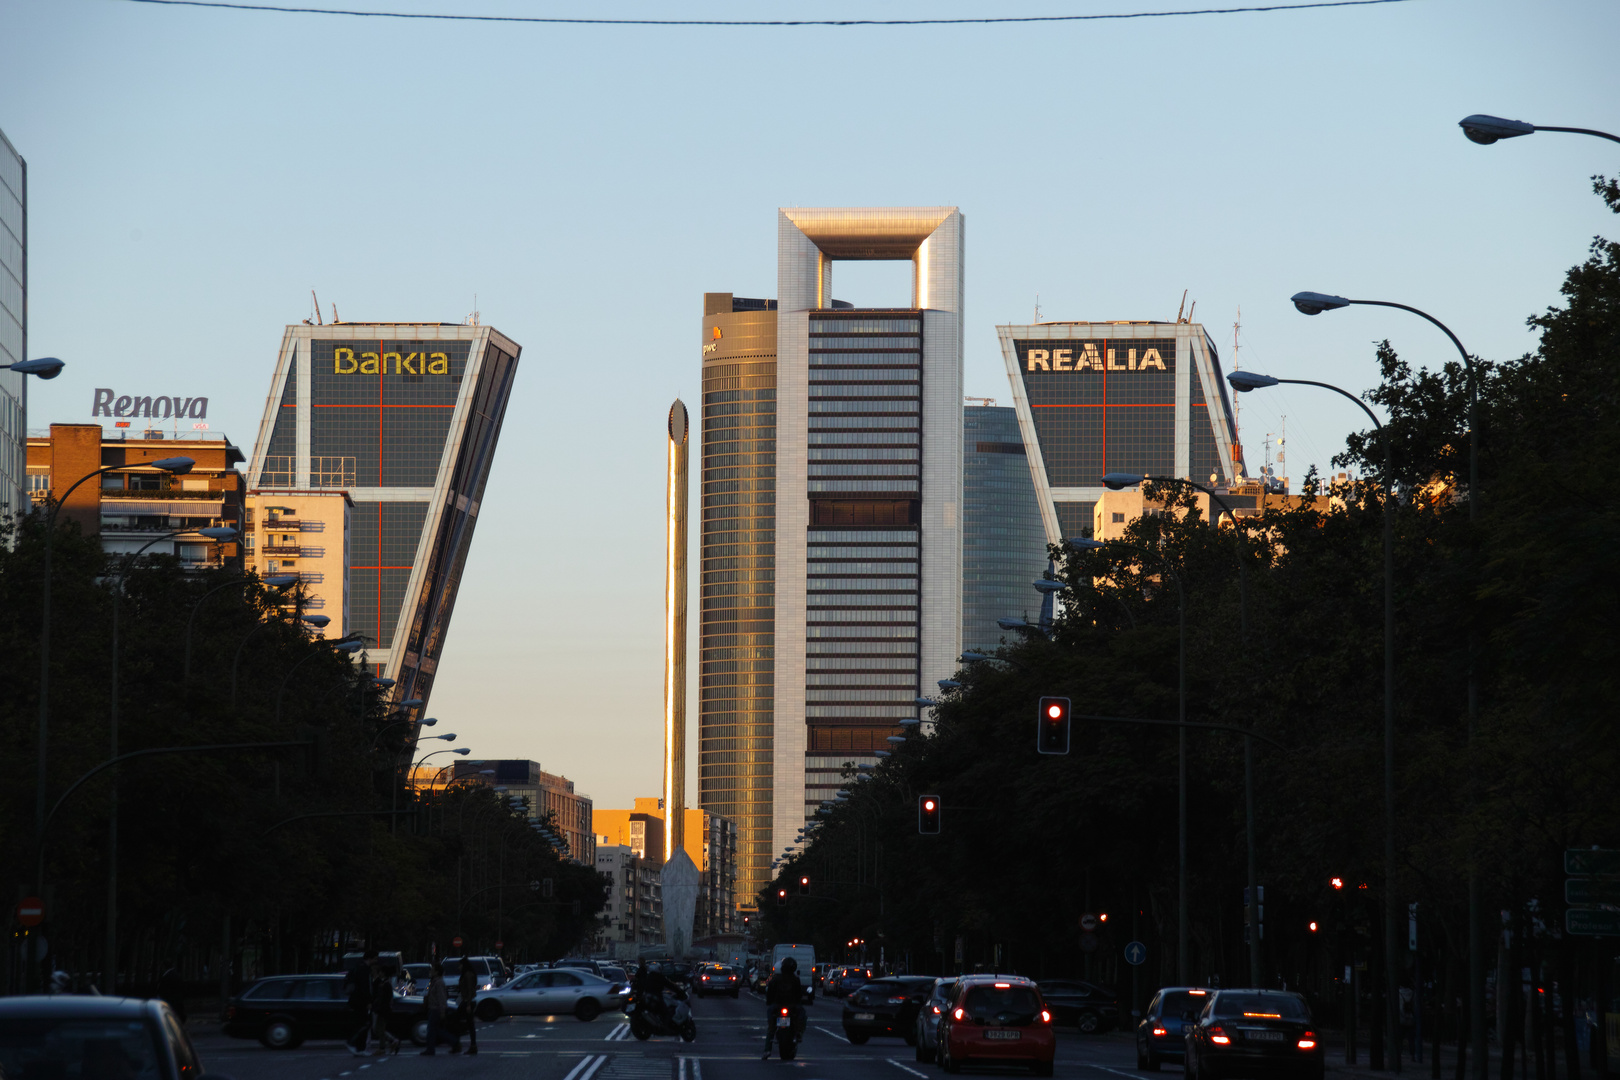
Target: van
[(805, 956)]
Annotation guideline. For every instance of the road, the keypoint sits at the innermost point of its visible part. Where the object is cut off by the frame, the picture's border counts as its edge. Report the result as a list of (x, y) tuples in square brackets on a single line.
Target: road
[(730, 1040)]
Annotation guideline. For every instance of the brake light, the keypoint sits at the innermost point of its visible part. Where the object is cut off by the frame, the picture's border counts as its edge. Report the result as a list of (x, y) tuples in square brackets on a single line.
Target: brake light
[(901, 1000), (936, 1010), (1003, 986), (1264, 1016), (1046, 1017), (1198, 993), (957, 1014), (1307, 1044), (1219, 1037), (1159, 1031), (784, 1010)]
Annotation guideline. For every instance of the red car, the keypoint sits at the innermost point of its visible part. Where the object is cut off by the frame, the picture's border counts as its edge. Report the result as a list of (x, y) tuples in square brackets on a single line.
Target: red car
[(997, 1020)]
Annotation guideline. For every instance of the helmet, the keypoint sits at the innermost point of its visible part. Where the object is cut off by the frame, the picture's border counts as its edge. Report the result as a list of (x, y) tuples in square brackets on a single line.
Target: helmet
[(789, 966)]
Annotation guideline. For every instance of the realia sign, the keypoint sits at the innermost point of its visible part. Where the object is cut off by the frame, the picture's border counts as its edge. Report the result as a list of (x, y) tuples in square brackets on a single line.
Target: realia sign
[(159, 407), (1088, 356)]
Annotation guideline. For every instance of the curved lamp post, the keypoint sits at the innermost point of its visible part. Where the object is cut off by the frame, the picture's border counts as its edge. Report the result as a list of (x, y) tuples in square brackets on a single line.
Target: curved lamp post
[(316, 621), (350, 644), (1312, 303), (42, 367), (275, 581), (1485, 129), (219, 534)]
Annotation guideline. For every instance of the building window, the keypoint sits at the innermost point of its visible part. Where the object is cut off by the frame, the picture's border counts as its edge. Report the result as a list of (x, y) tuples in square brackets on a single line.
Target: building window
[(1119, 519)]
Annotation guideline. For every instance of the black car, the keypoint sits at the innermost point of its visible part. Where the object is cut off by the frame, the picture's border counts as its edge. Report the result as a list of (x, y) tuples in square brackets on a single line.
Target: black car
[(1266, 1033), (1159, 1033), (68, 1035), (1087, 1006), (717, 979), (886, 1006), (283, 1010)]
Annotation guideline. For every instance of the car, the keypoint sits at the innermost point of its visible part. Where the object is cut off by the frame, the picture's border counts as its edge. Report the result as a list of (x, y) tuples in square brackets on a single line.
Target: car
[(1086, 1005), (997, 1020), (551, 992), (579, 962), (281, 1011), (939, 999), (716, 979), (491, 971), (70, 1035), (419, 974), (850, 980), (1159, 1036), (1253, 1033), (886, 1006), (614, 974)]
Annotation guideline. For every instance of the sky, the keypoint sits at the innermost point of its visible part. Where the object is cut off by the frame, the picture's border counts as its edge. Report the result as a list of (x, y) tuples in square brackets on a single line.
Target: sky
[(194, 173)]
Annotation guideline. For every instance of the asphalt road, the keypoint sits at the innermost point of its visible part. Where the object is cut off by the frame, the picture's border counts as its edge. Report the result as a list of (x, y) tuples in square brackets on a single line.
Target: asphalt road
[(730, 1039)]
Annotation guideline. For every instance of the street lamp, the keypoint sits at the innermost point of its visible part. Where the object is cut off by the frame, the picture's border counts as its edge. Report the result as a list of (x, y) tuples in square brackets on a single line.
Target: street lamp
[(350, 643), (275, 581), (47, 368), (219, 534), (317, 621), (1485, 129), (1312, 303), (42, 367), (1243, 382), (1182, 966)]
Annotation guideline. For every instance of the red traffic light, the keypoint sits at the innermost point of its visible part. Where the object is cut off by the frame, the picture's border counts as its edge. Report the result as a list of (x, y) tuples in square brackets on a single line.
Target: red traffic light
[(1052, 728), (1338, 883), (928, 813), (804, 886)]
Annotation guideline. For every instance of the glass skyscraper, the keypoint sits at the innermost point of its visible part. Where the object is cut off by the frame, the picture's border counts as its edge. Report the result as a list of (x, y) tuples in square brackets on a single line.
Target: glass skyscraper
[(1003, 540), (405, 418), (13, 328), (1099, 397)]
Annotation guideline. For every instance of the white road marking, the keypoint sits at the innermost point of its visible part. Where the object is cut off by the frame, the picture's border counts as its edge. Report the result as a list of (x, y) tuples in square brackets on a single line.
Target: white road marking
[(620, 1032), (907, 1068), (1105, 1068), (834, 1034), (587, 1067)]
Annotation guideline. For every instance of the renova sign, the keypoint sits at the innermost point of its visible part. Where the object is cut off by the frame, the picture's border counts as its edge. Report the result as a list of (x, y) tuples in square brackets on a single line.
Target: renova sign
[(345, 362), (110, 403), (1087, 356)]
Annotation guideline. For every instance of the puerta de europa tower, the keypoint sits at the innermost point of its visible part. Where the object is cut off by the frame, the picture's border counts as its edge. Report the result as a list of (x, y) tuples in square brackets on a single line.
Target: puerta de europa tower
[(831, 528), (404, 417)]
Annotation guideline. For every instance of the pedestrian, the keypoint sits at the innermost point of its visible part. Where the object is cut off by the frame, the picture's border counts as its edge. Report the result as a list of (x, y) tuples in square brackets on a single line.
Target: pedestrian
[(358, 984), (438, 996), (382, 1010), (466, 999), (172, 988)]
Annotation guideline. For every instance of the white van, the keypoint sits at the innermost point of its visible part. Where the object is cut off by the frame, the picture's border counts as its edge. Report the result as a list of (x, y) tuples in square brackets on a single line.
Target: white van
[(805, 955)]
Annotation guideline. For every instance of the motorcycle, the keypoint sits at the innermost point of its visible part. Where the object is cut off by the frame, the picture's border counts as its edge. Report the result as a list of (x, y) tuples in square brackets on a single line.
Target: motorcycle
[(674, 1019), (789, 1031)]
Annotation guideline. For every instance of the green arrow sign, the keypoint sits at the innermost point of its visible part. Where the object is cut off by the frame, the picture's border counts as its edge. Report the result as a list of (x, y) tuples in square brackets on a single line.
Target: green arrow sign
[(1582, 862), (1592, 921), (1590, 891)]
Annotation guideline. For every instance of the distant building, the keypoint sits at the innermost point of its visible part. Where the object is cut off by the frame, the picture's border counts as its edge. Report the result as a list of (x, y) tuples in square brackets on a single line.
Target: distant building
[(13, 328), (541, 792), (633, 918), (139, 504), (304, 533), (1252, 498), (711, 843), (1100, 397), (1003, 540)]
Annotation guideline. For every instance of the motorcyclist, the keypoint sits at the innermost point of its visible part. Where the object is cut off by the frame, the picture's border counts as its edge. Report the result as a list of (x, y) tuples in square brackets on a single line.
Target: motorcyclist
[(649, 986), (783, 989)]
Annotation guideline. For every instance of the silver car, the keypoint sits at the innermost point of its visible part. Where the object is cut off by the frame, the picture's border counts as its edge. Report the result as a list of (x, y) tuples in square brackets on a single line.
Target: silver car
[(928, 1018), (551, 992)]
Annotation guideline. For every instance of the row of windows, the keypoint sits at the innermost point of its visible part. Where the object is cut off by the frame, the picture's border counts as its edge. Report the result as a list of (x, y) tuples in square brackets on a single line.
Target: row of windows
[(860, 648), (892, 680), (860, 663), (908, 374), (823, 323), (897, 423), (874, 468), (865, 536)]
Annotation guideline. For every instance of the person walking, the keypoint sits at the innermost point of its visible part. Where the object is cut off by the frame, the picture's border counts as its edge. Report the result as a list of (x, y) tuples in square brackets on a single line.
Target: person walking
[(358, 983), (466, 999), (382, 1011), (783, 989), (437, 1000)]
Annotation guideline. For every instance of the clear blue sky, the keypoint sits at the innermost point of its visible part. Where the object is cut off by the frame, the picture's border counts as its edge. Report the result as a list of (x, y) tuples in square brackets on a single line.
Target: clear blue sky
[(194, 172)]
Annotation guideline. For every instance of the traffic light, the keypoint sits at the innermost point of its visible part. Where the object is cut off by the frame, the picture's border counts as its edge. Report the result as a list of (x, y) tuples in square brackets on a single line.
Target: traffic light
[(781, 898), (1052, 726), (804, 886), (928, 808), (547, 888)]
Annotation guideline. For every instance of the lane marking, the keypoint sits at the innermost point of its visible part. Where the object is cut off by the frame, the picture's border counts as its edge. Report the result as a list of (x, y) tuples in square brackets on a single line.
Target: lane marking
[(1105, 1068), (834, 1034), (587, 1067), (618, 1033), (907, 1068)]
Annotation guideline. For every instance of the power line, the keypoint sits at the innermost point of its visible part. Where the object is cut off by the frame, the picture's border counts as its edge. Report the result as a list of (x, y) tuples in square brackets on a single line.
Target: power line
[(763, 22)]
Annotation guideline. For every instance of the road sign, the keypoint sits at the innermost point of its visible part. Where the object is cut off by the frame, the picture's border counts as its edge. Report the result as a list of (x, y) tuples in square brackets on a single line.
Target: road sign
[(1088, 942), (31, 911), (499, 945), (1088, 922), (1592, 861), (1590, 891), (1135, 953), (1592, 922), (455, 942)]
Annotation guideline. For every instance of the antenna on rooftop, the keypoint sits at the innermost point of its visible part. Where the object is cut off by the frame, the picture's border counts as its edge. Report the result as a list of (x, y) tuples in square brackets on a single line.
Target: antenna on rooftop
[(317, 300), (335, 319), (1183, 306), (1037, 307)]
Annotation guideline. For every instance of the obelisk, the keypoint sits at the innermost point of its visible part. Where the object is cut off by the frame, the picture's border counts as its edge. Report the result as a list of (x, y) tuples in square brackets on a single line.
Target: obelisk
[(680, 876)]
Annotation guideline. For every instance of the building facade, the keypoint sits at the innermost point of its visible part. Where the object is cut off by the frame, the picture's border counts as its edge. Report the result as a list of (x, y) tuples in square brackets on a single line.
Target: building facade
[(137, 506), (710, 840), (633, 917), (542, 793), (1003, 537), (13, 328), (1099, 397), (404, 417), (305, 533)]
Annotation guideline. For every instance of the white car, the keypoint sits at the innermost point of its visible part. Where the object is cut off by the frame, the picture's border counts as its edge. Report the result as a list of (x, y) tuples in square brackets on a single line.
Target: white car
[(551, 992)]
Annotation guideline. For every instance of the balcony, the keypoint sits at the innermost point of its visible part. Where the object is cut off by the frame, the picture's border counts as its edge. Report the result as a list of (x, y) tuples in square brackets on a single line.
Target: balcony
[(291, 551)]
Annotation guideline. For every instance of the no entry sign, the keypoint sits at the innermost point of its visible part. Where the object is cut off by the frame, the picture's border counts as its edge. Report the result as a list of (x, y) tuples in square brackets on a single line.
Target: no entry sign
[(455, 942), (31, 911)]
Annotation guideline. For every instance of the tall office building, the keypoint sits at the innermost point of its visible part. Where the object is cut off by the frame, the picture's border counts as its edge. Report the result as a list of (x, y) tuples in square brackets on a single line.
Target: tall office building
[(1099, 397), (13, 328), (405, 418), (844, 518), (1003, 539)]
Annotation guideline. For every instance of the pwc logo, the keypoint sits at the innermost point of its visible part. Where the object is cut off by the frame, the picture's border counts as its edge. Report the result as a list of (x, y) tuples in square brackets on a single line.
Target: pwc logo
[(711, 347)]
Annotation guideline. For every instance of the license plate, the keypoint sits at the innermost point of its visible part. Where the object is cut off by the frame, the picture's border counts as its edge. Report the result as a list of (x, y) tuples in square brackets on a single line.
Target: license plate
[(1003, 1033), (784, 1021), (1264, 1036), (865, 1016)]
